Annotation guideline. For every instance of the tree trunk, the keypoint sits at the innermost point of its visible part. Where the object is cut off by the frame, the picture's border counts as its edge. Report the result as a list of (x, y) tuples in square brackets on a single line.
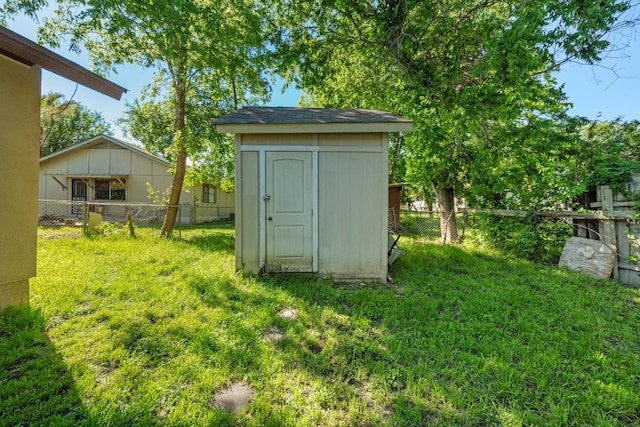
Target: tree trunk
[(397, 147), (448, 224), (174, 199), (181, 165)]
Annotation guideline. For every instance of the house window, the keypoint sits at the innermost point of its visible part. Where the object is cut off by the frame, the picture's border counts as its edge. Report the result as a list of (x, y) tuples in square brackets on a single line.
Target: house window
[(110, 189), (209, 194)]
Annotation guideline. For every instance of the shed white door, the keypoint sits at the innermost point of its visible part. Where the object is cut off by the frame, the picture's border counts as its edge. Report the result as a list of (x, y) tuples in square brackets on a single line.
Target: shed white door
[(289, 233)]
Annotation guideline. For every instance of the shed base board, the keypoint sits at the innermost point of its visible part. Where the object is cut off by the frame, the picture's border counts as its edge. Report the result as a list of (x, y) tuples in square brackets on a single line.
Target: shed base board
[(352, 278), (343, 277), (14, 293)]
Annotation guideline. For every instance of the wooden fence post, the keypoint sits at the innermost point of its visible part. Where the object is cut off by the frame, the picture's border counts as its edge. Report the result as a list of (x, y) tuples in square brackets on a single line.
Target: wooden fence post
[(85, 217), (608, 226)]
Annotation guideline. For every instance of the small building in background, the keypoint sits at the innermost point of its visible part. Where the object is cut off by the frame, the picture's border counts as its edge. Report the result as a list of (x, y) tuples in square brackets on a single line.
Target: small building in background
[(117, 176), (395, 201), (312, 190)]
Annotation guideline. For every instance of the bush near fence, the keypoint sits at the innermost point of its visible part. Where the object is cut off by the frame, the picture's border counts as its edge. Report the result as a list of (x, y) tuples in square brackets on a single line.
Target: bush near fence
[(531, 237), (534, 238)]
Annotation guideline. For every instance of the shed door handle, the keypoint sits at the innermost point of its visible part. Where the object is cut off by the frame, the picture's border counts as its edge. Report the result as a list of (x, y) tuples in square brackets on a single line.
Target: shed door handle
[(270, 218)]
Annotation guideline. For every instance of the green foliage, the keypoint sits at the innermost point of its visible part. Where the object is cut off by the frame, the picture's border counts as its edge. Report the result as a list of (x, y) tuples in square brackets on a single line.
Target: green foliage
[(397, 158), (198, 48), (475, 76), (151, 123), (609, 154), (156, 196), (63, 123), (531, 169), (12, 8), (465, 336), (107, 229), (523, 237)]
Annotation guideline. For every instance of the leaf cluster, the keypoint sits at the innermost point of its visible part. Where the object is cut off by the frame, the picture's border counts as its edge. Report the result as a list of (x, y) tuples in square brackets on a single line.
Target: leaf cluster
[(475, 76), (63, 123), (609, 153)]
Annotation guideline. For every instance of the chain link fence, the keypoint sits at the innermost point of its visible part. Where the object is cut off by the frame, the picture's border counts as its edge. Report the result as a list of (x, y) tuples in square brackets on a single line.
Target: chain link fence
[(424, 224), (76, 216)]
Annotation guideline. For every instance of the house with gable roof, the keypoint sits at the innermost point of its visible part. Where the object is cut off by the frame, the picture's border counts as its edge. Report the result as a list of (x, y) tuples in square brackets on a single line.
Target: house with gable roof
[(115, 176)]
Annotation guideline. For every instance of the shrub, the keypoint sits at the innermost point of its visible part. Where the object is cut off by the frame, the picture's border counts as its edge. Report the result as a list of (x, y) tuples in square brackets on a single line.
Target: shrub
[(524, 237)]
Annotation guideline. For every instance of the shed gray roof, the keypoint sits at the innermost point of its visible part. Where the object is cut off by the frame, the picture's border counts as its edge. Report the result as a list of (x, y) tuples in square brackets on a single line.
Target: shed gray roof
[(310, 120), (293, 115)]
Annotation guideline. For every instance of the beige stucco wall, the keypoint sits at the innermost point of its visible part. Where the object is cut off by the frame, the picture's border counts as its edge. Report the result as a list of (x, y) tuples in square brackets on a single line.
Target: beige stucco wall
[(19, 151), (352, 202)]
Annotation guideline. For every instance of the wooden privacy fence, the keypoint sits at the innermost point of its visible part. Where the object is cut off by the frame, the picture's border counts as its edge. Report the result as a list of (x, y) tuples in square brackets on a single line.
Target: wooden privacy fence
[(611, 220), (618, 229)]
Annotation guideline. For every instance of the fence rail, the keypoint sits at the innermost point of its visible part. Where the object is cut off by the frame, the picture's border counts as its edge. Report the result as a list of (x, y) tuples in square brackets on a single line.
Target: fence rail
[(55, 213), (613, 220)]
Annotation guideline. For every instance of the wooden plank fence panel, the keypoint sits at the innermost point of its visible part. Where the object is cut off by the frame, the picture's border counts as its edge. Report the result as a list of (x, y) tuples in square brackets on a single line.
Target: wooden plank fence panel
[(625, 270), (634, 279), (610, 222), (608, 228), (624, 251), (632, 235)]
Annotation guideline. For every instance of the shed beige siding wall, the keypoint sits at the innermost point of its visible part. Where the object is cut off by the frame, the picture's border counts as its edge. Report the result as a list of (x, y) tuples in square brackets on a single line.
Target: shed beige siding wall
[(19, 134), (247, 189), (352, 201)]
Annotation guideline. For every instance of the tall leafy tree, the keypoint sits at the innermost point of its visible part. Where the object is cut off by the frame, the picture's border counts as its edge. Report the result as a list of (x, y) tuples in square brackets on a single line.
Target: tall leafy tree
[(609, 154), (149, 119), (181, 39), (474, 75), (63, 123)]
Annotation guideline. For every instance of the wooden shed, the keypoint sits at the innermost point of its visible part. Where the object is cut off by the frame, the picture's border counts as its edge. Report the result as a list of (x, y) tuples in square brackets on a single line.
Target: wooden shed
[(21, 62), (311, 190)]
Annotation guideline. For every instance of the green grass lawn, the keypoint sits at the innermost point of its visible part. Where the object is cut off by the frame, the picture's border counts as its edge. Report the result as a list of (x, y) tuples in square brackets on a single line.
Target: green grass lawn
[(144, 331)]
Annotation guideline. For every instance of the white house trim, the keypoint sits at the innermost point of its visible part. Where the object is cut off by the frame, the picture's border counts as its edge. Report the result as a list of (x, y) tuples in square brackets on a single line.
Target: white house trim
[(314, 128), (312, 148), (314, 210), (279, 148), (262, 193)]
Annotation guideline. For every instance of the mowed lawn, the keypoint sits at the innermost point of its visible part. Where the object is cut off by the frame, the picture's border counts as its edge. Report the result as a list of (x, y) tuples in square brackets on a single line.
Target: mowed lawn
[(143, 331)]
